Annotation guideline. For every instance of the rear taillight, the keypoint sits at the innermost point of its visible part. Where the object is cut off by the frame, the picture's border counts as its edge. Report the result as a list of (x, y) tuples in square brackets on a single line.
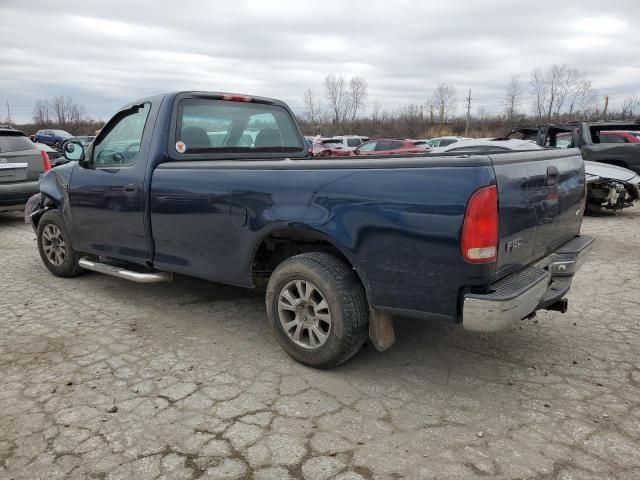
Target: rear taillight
[(46, 163), (237, 98), (480, 231)]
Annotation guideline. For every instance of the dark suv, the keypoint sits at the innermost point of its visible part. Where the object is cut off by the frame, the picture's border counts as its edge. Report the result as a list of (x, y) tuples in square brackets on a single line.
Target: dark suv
[(21, 163)]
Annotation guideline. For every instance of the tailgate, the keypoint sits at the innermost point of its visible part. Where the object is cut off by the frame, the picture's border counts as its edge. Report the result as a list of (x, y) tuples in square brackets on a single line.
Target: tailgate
[(20, 166), (540, 201)]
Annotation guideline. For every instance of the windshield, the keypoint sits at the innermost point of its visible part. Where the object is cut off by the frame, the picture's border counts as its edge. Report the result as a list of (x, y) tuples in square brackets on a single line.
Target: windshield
[(218, 126)]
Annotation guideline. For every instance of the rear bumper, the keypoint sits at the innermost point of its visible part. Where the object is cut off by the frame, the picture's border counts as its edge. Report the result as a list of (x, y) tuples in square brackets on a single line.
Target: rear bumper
[(17, 193), (519, 295)]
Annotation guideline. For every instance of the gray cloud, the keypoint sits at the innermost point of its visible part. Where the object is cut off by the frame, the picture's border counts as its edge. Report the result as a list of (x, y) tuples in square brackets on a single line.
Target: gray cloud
[(107, 53)]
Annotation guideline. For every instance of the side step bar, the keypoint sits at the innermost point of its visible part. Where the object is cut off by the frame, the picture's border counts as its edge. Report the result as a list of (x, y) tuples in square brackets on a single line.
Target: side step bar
[(140, 277)]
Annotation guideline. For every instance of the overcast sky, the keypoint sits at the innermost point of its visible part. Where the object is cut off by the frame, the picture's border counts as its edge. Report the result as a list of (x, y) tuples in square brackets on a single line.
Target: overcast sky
[(106, 53)]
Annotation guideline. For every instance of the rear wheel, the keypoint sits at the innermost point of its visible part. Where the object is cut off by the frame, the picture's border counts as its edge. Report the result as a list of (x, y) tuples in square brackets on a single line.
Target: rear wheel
[(55, 249), (318, 309)]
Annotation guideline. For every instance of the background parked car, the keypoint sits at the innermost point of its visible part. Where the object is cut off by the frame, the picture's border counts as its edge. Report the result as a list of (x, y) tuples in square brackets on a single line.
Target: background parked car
[(618, 136), (53, 138), (480, 145), (389, 146), (350, 142), (609, 187), (444, 141), (51, 152), (21, 163)]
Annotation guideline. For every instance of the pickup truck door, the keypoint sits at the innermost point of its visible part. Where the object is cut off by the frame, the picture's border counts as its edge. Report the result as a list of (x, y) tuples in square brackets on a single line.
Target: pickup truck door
[(107, 189)]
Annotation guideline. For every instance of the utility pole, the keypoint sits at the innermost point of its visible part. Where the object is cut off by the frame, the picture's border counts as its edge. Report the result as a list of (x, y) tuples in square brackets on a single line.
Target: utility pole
[(466, 128), (8, 113), (606, 106)]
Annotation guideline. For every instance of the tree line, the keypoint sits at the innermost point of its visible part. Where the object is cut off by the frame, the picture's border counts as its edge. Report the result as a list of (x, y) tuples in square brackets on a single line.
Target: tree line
[(556, 94)]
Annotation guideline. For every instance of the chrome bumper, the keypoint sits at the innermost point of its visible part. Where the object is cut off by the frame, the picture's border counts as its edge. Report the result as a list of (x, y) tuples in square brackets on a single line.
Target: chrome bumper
[(519, 295)]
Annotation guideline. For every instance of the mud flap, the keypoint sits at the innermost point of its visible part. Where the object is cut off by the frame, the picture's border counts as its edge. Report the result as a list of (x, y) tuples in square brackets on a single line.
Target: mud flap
[(381, 330)]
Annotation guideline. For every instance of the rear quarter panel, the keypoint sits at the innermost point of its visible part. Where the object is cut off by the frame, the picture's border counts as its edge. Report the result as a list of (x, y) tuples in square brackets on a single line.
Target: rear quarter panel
[(399, 226)]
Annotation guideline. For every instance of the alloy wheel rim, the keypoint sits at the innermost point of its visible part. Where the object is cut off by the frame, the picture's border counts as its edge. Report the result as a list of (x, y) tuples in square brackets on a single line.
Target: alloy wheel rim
[(53, 244), (304, 314)]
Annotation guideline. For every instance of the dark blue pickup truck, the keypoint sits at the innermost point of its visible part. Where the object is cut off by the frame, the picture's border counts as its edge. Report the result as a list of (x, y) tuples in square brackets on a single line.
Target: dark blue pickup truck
[(222, 187)]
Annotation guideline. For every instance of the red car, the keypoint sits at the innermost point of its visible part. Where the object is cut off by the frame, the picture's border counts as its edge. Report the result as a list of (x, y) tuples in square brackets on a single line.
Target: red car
[(618, 136), (381, 146)]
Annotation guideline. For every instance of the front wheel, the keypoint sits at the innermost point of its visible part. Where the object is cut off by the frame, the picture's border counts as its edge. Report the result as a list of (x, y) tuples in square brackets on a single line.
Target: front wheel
[(318, 309), (54, 246)]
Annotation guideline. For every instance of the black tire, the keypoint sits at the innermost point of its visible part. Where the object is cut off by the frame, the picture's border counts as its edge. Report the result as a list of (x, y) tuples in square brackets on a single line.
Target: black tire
[(348, 308), (68, 267)]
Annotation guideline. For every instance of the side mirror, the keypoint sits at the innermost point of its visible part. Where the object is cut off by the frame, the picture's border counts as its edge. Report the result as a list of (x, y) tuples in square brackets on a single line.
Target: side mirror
[(74, 151)]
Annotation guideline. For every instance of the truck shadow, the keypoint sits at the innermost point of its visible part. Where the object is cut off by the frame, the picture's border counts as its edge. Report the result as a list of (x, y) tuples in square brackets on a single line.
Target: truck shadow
[(426, 349)]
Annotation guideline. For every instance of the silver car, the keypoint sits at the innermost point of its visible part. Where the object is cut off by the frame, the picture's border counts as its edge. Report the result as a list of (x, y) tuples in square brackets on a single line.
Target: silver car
[(21, 164)]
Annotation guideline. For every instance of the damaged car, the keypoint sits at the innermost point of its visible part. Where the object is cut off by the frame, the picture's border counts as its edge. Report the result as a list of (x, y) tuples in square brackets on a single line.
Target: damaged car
[(612, 158)]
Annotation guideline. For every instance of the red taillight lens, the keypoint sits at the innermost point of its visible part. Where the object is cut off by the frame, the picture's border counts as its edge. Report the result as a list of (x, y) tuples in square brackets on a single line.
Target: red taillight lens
[(46, 163), (481, 228)]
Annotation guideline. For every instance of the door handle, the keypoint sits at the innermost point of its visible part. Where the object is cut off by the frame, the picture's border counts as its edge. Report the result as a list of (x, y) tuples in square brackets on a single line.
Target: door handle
[(552, 175), (130, 188)]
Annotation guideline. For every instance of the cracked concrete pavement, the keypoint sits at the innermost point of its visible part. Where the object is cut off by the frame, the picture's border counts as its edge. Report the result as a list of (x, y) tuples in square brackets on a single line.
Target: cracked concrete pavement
[(101, 378)]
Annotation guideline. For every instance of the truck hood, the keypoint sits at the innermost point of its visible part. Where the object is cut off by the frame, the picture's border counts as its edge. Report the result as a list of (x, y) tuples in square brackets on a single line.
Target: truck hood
[(612, 172)]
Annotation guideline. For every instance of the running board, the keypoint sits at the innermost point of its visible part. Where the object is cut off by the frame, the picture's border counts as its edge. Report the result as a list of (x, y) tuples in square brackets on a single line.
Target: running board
[(139, 277)]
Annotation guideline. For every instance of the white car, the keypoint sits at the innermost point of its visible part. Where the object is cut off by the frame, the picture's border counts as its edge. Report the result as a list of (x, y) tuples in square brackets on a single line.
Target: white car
[(444, 141), (348, 142), (482, 145), (609, 187)]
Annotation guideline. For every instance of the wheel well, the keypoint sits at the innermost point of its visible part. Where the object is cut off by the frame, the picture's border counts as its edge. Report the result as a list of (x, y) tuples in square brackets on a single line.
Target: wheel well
[(283, 244)]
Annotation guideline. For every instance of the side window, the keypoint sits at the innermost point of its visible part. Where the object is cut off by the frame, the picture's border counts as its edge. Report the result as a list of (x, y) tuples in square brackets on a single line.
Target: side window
[(611, 138), (446, 141), (394, 145), (353, 142), (368, 147), (120, 146), (564, 140), (382, 146)]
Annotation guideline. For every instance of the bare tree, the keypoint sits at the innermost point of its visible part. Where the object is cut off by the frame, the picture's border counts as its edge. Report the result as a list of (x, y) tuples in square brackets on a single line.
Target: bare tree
[(42, 113), (444, 100), (539, 89), (335, 91), (313, 108), (555, 80), (411, 119), (560, 90), (630, 103), (581, 96), (358, 92), (375, 112), (512, 96), (66, 111)]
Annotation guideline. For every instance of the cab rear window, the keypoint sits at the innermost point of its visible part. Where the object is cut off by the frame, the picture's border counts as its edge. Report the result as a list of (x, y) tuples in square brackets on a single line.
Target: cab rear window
[(14, 143), (219, 126)]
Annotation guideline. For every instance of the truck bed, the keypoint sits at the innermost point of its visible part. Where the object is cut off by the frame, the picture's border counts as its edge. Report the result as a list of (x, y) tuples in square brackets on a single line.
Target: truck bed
[(396, 219)]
